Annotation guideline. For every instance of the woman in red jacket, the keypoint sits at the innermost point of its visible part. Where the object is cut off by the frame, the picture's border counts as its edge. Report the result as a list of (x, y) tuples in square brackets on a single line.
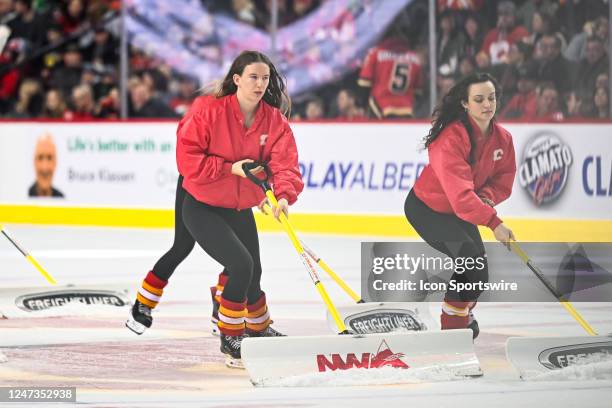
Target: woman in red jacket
[(471, 169), (242, 123)]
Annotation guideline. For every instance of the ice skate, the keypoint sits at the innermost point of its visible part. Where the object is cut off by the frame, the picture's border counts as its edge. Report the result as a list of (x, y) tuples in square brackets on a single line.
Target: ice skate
[(267, 332), (230, 346), (140, 318)]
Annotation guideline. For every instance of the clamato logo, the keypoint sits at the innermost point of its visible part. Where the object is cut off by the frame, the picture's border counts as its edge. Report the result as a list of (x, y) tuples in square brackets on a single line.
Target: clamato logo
[(383, 357), (545, 167)]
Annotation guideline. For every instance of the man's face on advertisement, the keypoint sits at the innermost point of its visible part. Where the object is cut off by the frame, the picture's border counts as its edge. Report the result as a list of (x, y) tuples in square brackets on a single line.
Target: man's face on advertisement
[(45, 160)]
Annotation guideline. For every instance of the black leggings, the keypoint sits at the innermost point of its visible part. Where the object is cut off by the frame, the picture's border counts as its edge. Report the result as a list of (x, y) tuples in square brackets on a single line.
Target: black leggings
[(230, 238), (183, 241), (453, 237)]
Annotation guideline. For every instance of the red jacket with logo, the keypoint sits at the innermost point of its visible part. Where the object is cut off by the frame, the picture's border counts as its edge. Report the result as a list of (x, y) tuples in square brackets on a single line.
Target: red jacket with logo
[(212, 136), (451, 184)]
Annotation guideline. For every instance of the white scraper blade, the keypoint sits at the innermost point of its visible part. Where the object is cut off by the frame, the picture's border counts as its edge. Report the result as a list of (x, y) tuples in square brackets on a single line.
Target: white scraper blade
[(270, 359), (535, 355)]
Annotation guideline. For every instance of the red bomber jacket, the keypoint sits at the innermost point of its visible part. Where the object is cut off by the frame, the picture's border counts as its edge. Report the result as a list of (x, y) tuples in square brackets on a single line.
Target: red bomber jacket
[(451, 184), (212, 136)]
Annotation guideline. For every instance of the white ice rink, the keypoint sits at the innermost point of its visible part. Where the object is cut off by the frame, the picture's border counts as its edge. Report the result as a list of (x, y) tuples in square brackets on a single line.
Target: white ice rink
[(177, 363)]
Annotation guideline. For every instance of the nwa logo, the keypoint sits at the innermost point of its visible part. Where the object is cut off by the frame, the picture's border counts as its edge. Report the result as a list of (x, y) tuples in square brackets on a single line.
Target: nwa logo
[(384, 322), (383, 357), (545, 167), (47, 300), (561, 357)]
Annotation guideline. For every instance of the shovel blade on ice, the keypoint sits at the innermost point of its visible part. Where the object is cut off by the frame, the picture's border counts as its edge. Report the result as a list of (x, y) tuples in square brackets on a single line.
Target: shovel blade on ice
[(268, 360), (536, 355)]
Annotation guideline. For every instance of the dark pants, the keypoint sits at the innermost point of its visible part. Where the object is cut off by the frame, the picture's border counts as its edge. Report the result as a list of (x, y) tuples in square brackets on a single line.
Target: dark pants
[(230, 238), (453, 237), (183, 241)]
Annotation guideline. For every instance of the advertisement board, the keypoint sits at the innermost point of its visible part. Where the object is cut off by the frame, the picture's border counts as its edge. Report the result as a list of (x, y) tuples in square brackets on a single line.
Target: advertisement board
[(563, 170)]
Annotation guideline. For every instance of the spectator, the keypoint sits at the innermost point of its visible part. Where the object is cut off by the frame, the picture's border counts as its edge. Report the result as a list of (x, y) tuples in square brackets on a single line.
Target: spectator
[(110, 106), (54, 107), (392, 72), (467, 66), (53, 57), (507, 72), (553, 66), (524, 102), (520, 53), (575, 14), (315, 109), (594, 64), (574, 105), (544, 24), (27, 25), (576, 50), (602, 81), (103, 50), (347, 105), (450, 44), (497, 41), (483, 62), (30, 100), (526, 12), (157, 82), (9, 82), (473, 35), (68, 75), (547, 104), (99, 78), (71, 15), (84, 103), (144, 105), (601, 101), (7, 12), (187, 92), (445, 84)]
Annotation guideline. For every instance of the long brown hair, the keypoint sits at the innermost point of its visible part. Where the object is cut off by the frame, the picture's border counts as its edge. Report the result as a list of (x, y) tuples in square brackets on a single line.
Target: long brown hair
[(451, 109), (276, 94)]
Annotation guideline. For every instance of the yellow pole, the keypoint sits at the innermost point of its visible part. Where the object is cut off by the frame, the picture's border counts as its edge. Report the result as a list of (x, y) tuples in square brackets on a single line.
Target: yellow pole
[(29, 257), (564, 302), (327, 269), (313, 274)]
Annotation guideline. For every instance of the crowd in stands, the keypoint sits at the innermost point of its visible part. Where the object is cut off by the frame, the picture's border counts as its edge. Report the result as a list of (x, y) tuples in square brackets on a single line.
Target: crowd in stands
[(550, 56)]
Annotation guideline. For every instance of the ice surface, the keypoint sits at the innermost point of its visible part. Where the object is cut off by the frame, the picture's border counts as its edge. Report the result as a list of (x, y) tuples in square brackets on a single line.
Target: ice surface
[(379, 376), (593, 368), (177, 363)]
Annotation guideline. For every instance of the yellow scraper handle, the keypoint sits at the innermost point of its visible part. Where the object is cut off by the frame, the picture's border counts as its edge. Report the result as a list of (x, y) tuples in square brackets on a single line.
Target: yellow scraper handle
[(306, 261), (564, 302), (29, 257), (327, 269)]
